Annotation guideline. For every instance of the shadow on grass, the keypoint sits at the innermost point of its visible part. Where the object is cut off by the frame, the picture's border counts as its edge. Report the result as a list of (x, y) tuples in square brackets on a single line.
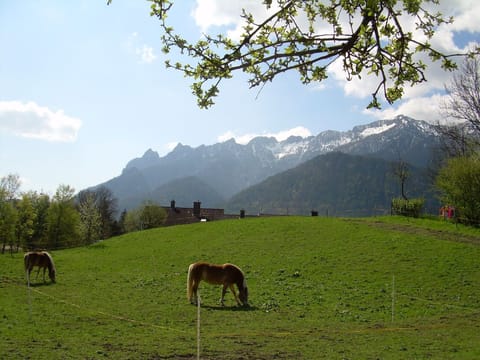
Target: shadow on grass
[(230, 308), (41, 284)]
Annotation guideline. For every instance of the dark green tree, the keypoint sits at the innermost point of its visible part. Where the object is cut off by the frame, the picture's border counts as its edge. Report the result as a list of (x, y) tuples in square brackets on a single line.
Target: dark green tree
[(119, 225), (25, 225), (107, 206), (63, 219), (459, 182), (9, 186), (132, 220), (8, 219), (152, 215), (147, 216), (41, 204)]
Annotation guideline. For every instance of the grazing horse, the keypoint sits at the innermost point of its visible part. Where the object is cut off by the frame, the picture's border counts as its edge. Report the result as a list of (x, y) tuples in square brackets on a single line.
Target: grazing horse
[(227, 275), (41, 259)]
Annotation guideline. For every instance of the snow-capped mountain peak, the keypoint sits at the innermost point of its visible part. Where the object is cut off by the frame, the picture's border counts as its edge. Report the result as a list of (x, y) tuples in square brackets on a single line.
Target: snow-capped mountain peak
[(377, 129), (229, 167)]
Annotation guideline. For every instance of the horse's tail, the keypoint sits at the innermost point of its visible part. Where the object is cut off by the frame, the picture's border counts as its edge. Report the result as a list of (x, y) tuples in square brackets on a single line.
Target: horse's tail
[(26, 260), (190, 282)]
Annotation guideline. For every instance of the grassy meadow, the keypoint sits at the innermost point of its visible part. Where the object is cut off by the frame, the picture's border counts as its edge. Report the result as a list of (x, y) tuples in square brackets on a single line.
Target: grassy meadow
[(320, 288)]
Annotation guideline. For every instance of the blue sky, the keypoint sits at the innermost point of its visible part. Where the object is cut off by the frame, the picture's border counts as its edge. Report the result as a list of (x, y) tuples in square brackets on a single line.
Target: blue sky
[(84, 89)]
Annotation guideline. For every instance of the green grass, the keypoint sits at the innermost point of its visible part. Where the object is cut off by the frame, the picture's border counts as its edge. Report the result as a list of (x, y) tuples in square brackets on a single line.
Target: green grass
[(320, 288)]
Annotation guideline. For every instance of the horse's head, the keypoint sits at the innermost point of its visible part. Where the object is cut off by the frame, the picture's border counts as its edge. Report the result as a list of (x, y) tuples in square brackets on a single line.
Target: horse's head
[(48, 262), (243, 296), (51, 274)]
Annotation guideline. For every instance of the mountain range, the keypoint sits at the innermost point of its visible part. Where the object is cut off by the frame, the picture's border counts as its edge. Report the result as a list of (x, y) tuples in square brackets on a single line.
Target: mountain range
[(219, 175), (334, 184)]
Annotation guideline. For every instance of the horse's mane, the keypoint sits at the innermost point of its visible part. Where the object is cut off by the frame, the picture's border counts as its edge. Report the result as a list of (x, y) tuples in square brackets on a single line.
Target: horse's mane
[(241, 271), (233, 265)]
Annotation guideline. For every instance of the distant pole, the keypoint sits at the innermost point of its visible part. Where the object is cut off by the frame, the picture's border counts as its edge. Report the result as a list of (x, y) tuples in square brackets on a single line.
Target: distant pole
[(393, 298), (198, 326), (29, 294)]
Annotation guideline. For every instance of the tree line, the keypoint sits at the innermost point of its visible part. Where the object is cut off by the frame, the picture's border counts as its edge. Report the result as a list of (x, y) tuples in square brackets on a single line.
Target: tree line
[(458, 177), (32, 220)]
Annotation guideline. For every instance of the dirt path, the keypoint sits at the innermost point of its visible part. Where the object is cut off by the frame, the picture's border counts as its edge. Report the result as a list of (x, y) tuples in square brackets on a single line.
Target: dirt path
[(412, 229)]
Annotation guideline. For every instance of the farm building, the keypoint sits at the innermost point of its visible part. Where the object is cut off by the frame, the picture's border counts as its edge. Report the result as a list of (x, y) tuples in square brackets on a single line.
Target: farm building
[(182, 215)]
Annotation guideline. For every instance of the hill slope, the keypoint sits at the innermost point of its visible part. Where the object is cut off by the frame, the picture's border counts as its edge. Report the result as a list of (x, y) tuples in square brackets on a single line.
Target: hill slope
[(319, 288), (336, 184), (184, 190)]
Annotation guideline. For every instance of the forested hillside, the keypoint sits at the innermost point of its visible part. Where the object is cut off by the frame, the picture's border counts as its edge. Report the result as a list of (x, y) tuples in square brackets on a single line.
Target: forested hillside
[(335, 184)]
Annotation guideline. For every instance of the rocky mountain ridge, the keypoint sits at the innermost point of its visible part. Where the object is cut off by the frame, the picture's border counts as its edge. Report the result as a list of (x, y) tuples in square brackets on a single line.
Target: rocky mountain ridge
[(224, 169)]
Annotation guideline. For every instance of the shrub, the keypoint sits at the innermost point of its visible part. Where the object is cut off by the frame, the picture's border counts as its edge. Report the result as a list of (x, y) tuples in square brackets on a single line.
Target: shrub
[(411, 208)]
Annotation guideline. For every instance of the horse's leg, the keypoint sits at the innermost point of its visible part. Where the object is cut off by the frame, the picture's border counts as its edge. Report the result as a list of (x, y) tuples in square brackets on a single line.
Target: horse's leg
[(194, 299), (38, 272), (44, 274), (224, 291), (232, 289)]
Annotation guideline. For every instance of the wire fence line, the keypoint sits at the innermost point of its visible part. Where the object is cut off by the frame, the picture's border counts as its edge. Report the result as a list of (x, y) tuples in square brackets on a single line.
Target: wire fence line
[(199, 333), (207, 333)]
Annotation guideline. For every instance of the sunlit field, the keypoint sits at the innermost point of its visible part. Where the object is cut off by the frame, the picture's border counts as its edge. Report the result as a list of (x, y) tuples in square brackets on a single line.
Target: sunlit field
[(320, 288)]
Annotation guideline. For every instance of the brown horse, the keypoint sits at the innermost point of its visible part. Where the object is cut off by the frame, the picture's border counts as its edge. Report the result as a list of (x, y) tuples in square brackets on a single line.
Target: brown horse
[(41, 259), (227, 275)]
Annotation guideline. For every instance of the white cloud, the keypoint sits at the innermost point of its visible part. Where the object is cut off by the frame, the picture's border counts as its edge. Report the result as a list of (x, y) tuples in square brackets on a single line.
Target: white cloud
[(230, 135), (167, 148), (30, 120), (318, 86), (144, 52), (210, 13), (132, 40), (297, 131), (280, 136), (421, 108), (465, 13), (171, 145), (426, 108)]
